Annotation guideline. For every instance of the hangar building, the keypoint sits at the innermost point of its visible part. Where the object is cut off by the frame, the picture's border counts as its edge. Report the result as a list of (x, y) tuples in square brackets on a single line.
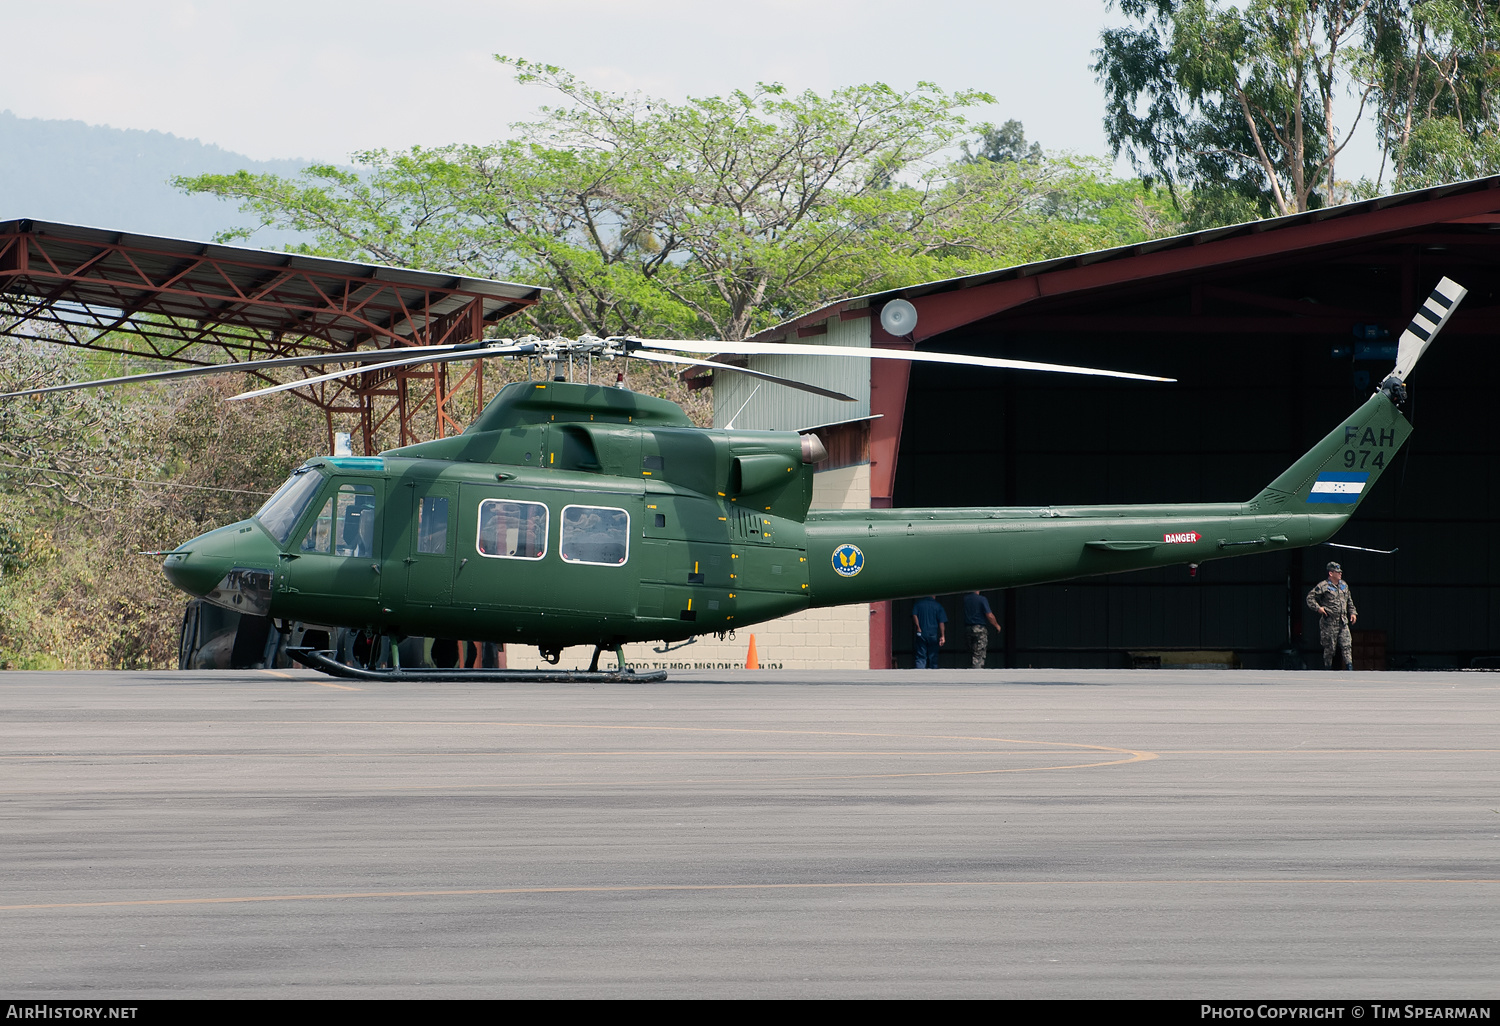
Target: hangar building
[(1275, 330)]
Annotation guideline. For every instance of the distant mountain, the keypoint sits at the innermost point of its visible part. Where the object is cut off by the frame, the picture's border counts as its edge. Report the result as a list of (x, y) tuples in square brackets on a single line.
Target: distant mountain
[(117, 178)]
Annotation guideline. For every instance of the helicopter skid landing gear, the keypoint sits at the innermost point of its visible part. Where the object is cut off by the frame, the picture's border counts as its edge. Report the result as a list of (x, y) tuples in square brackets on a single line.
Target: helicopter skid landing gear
[(324, 662), (608, 646)]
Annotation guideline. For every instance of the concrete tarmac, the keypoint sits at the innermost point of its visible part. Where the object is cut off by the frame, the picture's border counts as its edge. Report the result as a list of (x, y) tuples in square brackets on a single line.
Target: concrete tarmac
[(1046, 833)]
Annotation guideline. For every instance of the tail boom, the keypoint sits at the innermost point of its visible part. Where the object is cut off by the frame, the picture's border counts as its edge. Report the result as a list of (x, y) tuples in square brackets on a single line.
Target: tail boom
[(870, 555)]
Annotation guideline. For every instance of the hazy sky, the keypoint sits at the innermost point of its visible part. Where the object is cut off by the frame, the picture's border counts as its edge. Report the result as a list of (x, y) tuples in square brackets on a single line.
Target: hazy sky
[(320, 79)]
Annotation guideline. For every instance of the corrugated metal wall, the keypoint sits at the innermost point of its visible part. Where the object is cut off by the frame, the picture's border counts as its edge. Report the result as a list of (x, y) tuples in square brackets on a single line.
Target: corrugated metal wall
[(764, 406), (1244, 409)]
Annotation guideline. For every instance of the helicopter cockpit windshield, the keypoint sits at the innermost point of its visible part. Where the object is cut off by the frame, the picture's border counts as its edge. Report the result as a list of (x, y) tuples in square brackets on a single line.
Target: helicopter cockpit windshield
[(346, 524), (282, 511)]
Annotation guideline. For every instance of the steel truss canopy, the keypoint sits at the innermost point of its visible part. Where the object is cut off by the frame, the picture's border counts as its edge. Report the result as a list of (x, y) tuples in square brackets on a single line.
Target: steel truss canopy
[(177, 301)]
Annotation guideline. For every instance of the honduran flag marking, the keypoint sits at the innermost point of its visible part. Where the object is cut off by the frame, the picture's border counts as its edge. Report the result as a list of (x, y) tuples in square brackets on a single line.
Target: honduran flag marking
[(1339, 486)]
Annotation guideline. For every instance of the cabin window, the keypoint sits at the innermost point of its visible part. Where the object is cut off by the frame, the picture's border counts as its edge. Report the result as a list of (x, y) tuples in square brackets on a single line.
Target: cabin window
[(512, 530), (282, 511), (595, 534), (432, 525), (345, 525)]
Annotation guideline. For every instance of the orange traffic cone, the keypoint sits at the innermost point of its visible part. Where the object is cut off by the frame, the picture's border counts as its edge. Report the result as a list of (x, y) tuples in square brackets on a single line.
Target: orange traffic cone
[(751, 663)]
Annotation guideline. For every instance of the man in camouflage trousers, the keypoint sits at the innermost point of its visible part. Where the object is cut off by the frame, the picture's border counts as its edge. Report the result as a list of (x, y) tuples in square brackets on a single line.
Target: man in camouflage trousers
[(1334, 605), (976, 612)]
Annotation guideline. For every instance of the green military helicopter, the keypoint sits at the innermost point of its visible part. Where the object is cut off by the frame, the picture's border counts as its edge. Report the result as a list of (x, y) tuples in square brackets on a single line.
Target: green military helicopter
[(578, 514)]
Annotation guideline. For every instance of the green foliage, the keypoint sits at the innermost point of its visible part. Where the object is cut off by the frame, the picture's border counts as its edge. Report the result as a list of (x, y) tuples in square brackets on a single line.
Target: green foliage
[(93, 478), (1237, 100), (1434, 67), (1440, 150), (715, 217), (1003, 143)]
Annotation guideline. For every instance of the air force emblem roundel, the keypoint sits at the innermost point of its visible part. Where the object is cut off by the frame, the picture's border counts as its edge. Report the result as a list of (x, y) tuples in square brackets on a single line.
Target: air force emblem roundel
[(848, 560)]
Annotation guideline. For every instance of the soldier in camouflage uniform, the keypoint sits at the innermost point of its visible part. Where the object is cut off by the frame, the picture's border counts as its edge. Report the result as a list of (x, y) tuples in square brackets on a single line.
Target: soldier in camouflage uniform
[(1334, 605)]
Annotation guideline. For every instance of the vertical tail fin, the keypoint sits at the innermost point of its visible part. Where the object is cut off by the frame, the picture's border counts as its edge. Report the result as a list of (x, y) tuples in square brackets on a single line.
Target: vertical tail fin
[(1341, 469)]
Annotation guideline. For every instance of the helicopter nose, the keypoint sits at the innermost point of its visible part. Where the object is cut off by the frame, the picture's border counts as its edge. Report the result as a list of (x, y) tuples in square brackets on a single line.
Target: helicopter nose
[(223, 565), (196, 565)]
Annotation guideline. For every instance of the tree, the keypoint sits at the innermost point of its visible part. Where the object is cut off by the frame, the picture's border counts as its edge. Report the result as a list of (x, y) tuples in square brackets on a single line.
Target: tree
[(91, 479), (645, 216), (1237, 102), (1434, 66), (1005, 143), (716, 217)]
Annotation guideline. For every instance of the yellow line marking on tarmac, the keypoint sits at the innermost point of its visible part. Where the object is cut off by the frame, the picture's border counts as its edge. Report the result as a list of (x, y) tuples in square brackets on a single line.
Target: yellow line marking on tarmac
[(1133, 755), (669, 888), (676, 781), (629, 752), (694, 730), (708, 730), (278, 673), (716, 781), (733, 753), (341, 687), (1328, 751)]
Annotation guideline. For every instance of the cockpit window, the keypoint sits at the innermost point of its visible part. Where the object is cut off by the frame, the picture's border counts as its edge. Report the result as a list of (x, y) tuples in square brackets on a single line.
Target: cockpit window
[(281, 513), (346, 525)]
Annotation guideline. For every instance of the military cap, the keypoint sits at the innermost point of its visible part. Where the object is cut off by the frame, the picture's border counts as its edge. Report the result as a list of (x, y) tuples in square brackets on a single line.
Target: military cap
[(1334, 566)]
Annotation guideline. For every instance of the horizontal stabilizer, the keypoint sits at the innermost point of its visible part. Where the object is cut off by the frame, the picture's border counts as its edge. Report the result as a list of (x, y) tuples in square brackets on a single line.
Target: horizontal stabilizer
[(1121, 546)]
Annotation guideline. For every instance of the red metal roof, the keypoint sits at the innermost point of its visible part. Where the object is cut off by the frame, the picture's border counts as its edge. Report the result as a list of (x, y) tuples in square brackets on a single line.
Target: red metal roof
[(951, 303), (105, 279)]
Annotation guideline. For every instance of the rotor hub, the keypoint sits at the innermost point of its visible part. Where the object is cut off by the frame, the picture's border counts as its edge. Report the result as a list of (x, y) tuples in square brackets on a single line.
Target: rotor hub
[(1394, 389)]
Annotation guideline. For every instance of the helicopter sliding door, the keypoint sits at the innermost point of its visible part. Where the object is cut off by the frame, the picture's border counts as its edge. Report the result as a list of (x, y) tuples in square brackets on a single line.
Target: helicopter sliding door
[(593, 544), (546, 559), (502, 543), (428, 555), (332, 572)]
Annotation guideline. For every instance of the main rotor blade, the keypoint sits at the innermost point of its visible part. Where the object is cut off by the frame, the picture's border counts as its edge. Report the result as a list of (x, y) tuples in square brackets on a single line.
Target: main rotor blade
[(1436, 310), (861, 353), (356, 356), (788, 382), (471, 353)]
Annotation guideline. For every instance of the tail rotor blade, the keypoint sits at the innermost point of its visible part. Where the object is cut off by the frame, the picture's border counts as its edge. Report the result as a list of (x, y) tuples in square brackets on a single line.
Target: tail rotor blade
[(1436, 310)]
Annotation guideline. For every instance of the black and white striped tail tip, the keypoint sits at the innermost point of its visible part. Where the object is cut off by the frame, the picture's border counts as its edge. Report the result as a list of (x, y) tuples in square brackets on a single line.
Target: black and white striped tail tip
[(1436, 309)]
